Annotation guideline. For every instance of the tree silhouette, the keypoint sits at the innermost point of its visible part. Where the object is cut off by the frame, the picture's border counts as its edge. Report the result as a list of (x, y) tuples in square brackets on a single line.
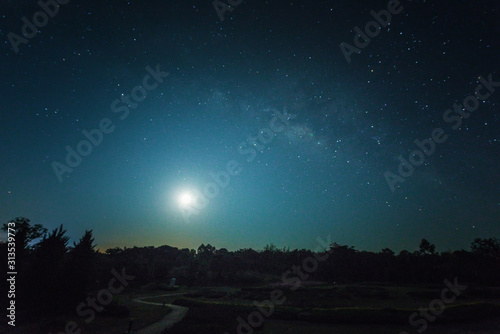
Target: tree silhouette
[(486, 247), (24, 234), (114, 251), (426, 247), (49, 266), (387, 251), (81, 268)]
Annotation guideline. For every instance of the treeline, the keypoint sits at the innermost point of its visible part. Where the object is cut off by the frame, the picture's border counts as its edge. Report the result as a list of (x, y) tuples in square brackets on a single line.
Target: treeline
[(54, 275)]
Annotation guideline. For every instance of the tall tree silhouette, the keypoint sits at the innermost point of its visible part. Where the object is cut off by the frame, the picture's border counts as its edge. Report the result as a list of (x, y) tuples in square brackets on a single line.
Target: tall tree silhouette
[(426, 247), (49, 266), (81, 266)]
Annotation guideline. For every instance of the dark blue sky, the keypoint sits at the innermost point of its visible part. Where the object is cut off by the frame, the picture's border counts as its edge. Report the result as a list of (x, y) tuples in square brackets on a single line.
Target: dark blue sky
[(323, 174)]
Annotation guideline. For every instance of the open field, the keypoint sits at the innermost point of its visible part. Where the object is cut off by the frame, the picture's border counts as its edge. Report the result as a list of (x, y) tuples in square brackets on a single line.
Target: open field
[(343, 309), (349, 309), (300, 327)]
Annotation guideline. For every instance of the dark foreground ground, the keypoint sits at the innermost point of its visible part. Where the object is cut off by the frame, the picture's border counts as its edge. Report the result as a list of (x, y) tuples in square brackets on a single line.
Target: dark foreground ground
[(339, 309), (344, 309)]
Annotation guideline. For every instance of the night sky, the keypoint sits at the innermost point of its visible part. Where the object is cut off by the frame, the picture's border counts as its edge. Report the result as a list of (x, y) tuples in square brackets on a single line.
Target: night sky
[(309, 132)]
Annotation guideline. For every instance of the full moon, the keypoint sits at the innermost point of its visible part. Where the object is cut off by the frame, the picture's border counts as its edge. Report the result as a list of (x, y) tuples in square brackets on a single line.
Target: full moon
[(185, 199)]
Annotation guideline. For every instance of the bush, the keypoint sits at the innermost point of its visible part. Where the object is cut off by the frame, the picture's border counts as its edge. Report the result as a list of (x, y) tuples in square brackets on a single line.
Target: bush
[(115, 310)]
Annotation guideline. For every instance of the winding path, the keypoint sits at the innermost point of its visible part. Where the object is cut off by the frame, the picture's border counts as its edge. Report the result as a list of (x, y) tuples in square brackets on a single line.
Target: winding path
[(178, 312)]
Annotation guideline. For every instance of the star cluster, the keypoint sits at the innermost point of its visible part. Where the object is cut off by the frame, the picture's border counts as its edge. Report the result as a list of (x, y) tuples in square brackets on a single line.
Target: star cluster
[(227, 79)]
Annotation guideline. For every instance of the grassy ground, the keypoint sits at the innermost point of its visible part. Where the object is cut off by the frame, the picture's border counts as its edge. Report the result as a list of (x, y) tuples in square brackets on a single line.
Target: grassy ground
[(339, 309), (349, 309), (143, 315), (296, 327)]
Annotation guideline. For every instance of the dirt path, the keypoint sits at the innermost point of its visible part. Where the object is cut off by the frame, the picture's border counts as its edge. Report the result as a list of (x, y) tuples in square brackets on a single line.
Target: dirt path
[(178, 312)]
